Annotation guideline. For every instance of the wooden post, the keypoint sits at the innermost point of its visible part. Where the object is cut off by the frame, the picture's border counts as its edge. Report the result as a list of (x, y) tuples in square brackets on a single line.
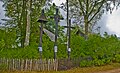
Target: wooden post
[(48, 64)]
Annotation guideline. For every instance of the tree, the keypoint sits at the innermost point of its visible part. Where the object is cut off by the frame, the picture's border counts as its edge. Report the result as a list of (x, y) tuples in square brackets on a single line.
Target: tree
[(27, 37), (23, 16), (88, 12), (21, 13)]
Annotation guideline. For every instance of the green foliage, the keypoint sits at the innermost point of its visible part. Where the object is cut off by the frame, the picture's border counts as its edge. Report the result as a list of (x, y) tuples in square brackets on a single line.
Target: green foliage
[(28, 52), (2, 44), (7, 39), (3, 67), (85, 63), (77, 46), (47, 47), (103, 50), (31, 52), (62, 51), (96, 50), (117, 58)]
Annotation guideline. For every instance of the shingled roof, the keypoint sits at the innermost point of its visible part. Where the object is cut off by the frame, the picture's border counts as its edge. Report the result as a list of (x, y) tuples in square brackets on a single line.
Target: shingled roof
[(49, 34)]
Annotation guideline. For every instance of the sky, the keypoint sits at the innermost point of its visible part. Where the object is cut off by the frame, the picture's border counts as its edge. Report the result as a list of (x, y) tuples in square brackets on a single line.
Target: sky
[(1, 11), (109, 22), (58, 2), (113, 22)]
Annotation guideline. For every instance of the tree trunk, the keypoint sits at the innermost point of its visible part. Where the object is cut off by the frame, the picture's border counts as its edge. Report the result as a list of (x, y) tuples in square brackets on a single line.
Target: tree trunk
[(86, 25), (23, 24), (27, 37), (86, 18)]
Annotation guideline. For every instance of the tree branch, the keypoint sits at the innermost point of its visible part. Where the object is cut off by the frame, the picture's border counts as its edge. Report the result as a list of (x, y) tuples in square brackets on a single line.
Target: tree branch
[(87, 6), (97, 11), (93, 8), (81, 7)]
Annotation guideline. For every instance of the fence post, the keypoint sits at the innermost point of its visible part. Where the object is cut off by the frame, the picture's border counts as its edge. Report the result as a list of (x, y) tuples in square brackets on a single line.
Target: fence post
[(48, 64)]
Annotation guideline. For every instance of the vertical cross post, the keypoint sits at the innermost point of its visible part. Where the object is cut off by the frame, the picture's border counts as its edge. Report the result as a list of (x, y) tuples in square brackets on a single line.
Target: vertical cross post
[(56, 19), (42, 20), (67, 15), (68, 31), (40, 45), (68, 38)]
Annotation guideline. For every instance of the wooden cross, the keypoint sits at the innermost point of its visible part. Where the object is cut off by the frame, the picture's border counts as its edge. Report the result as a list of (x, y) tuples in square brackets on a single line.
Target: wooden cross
[(68, 37), (56, 19)]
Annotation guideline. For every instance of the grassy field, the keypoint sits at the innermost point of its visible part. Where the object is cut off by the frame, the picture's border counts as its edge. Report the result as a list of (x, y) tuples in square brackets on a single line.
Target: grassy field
[(76, 70)]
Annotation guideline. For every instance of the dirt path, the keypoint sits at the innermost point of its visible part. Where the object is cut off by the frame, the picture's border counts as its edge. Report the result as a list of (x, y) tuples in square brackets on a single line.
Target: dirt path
[(111, 71)]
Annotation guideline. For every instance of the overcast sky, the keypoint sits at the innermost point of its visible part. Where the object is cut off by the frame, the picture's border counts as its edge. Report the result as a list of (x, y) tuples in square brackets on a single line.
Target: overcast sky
[(1, 11), (109, 22)]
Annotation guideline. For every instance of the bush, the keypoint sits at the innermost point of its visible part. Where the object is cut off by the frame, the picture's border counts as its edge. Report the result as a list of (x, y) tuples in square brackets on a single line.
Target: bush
[(3, 67), (86, 63), (102, 50)]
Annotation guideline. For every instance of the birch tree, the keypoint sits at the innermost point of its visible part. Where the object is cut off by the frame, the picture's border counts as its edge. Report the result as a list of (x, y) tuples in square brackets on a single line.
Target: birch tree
[(27, 37)]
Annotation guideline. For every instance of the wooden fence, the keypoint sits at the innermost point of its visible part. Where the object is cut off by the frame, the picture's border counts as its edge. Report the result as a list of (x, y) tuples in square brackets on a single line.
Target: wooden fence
[(40, 65), (28, 64)]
